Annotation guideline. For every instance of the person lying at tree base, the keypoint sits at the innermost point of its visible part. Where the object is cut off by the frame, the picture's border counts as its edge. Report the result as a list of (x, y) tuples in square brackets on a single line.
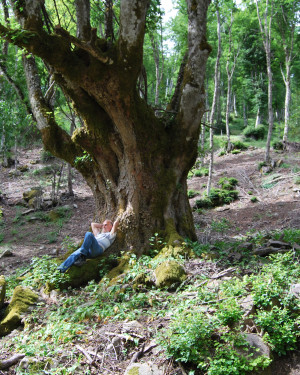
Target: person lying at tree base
[(94, 244)]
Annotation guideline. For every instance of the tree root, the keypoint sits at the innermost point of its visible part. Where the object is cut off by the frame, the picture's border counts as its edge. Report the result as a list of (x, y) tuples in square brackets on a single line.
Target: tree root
[(5, 364)]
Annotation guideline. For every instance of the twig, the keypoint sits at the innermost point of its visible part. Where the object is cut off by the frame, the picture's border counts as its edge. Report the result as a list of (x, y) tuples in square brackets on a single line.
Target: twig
[(6, 363), (137, 355), (219, 300), (85, 353), (24, 273), (223, 273)]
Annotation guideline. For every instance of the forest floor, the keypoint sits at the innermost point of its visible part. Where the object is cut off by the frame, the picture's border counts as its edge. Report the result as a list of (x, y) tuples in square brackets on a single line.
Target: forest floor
[(30, 235), (27, 236)]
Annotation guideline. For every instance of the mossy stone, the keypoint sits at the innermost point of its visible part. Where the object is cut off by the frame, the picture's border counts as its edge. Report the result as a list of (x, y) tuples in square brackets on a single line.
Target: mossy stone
[(78, 276), (175, 252), (168, 273), (2, 291), (53, 215), (22, 299), (123, 266), (28, 195)]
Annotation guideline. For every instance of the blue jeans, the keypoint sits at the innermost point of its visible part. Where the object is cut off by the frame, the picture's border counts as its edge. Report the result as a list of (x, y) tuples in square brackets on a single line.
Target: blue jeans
[(89, 249)]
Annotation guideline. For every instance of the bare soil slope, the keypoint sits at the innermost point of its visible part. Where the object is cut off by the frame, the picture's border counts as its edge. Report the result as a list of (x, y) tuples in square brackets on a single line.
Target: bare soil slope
[(26, 236)]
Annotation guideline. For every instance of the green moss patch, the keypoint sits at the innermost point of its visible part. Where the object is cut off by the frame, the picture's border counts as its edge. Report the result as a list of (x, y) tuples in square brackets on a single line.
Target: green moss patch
[(2, 291), (169, 273), (22, 299)]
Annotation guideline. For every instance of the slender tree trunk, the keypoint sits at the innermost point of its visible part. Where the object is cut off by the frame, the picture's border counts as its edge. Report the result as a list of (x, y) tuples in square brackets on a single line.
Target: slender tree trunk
[(230, 68), (159, 66), (270, 106), (234, 106), (287, 106), (70, 181), (16, 152), (3, 149), (266, 35), (228, 113), (258, 119), (287, 26), (245, 113), (214, 104), (219, 103)]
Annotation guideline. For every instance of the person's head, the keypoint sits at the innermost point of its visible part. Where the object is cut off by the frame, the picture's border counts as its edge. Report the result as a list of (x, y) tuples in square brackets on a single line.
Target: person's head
[(107, 226)]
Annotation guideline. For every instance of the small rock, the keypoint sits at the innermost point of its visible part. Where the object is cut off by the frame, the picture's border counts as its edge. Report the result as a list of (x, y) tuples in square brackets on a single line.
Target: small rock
[(221, 209), (75, 205), (133, 326), (144, 369), (55, 252), (257, 347), (6, 253), (295, 290)]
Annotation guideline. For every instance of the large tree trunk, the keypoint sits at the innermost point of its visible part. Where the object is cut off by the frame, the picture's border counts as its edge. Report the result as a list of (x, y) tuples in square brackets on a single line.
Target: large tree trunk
[(135, 164)]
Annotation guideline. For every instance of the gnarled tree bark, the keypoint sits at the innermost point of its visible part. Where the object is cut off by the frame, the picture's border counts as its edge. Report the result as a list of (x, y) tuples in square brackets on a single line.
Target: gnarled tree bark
[(134, 162)]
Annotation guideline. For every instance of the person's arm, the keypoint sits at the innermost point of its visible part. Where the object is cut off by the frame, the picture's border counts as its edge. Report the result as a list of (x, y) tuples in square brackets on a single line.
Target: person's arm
[(96, 228), (115, 226)]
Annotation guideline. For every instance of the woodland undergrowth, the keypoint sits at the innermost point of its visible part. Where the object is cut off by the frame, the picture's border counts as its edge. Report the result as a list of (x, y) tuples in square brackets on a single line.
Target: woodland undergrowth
[(203, 325)]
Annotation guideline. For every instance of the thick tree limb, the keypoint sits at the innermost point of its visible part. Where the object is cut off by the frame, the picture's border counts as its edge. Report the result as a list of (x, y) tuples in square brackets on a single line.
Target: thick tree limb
[(7, 363), (132, 28), (83, 45), (193, 96)]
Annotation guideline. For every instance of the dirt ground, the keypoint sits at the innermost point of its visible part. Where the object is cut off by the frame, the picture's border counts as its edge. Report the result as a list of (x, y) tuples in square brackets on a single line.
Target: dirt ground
[(277, 207), (278, 204)]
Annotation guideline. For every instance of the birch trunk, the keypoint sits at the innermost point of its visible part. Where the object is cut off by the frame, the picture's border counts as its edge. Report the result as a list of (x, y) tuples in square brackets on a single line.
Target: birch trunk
[(265, 30), (214, 104)]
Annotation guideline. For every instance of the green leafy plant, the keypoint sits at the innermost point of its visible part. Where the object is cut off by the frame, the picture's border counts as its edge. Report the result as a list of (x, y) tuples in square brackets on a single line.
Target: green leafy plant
[(44, 270), (201, 172), (239, 145), (156, 244), (228, 183), (46, 156), (220, 226), (261, 164), (217, 197), (254, 132), (193, 193), (297, 180), (278, 145), (85, 158), (281, 331)]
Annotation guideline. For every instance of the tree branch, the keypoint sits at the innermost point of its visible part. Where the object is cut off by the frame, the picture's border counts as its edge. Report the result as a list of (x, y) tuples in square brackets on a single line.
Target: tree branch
[(84, 45), (132, 27), (192, 103), (7, 363)]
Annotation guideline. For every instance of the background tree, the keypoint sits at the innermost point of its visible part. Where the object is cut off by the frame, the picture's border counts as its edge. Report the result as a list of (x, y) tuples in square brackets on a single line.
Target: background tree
[(286, 20), (265, 25), (214, 101)]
